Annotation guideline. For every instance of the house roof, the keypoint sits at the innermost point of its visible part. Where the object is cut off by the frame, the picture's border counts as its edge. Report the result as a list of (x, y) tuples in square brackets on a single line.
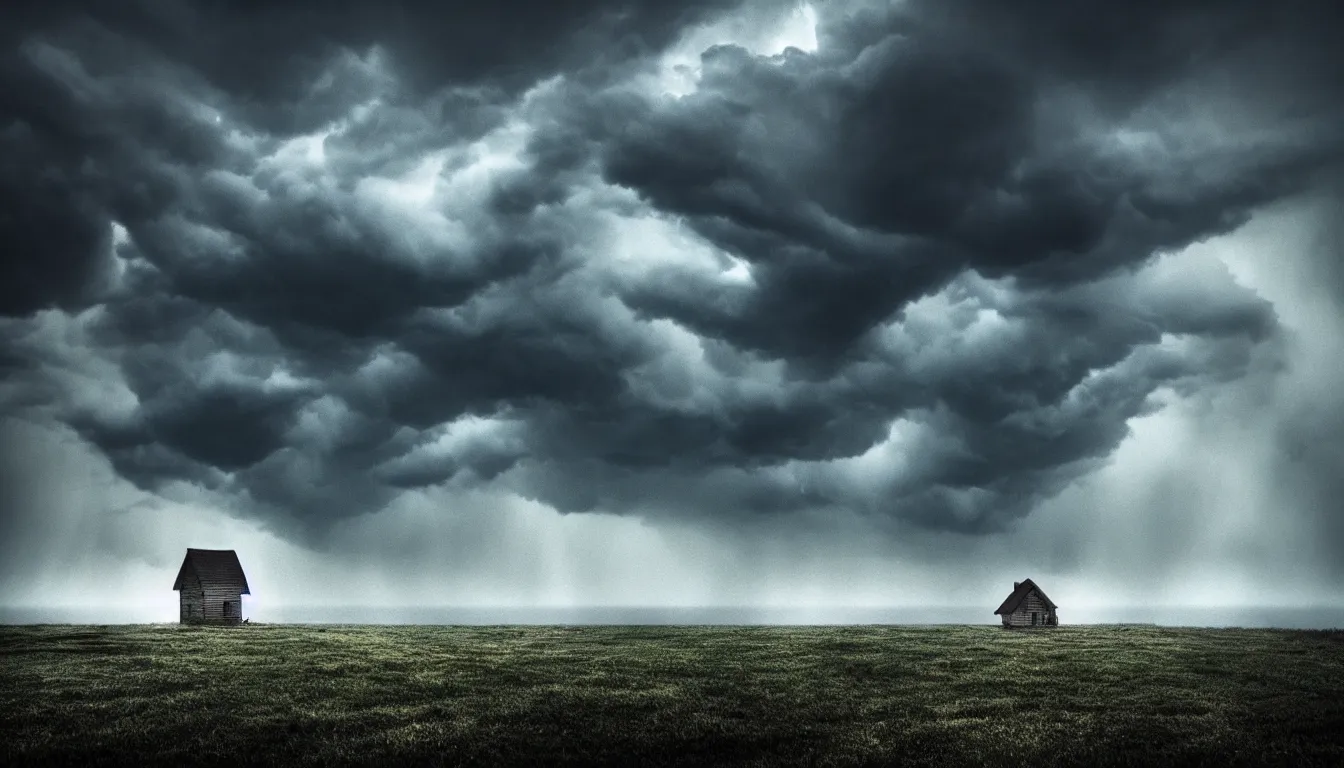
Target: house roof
[(1020, 592), (213, 566)]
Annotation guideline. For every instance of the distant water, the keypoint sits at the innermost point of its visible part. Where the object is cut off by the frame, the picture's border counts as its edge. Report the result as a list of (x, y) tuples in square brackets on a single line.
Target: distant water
[(1289, 618)]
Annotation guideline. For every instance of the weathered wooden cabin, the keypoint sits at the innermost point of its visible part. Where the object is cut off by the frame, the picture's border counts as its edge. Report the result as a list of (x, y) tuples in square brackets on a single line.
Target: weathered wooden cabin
[(1028, 606), (211, 584)]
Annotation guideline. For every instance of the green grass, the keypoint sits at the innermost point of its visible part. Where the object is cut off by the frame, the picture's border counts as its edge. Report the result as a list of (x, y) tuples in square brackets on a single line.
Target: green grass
[(314, 695)]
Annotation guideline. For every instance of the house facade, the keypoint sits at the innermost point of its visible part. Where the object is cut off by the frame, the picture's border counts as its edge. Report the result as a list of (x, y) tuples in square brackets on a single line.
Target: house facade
[(210, 585), (1028, 606)]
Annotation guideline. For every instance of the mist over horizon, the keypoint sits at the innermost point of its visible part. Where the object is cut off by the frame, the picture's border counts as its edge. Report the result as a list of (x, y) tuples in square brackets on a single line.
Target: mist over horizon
[(1320, 617), (793, 307)]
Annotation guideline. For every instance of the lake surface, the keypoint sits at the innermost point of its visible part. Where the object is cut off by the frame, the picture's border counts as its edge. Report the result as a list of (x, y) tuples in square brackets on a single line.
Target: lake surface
[(1328, 617)]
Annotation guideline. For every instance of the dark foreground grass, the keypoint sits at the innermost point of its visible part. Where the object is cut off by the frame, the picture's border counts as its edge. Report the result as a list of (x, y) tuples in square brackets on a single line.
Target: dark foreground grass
[(294, 695)]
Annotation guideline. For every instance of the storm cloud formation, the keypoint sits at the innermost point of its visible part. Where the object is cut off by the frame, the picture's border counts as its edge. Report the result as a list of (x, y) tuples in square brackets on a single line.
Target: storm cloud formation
[(307, 257)]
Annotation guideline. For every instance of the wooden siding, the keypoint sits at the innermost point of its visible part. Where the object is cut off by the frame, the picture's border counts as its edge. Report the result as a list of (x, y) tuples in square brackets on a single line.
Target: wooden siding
[(1022, 616), (192, 600), (193, 605), (205, 603), (216, 596)]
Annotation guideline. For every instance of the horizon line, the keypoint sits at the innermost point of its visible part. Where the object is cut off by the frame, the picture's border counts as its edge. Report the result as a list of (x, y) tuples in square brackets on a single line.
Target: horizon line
[(723, 606)]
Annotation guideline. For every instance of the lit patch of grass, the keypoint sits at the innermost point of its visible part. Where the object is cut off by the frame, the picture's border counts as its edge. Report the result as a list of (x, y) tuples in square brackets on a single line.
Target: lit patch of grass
[(262, 694)]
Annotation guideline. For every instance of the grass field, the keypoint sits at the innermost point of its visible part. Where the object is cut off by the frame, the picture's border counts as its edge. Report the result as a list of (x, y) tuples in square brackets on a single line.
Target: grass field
[(325, 695)]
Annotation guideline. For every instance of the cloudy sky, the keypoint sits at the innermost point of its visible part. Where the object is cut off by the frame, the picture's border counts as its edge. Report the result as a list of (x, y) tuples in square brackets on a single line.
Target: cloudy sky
[(725, 302)]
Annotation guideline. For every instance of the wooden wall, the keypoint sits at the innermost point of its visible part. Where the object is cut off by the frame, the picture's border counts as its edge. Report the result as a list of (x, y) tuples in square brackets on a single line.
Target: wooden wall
[(1022, 616), (215, 595), (192, 600), (205, 603)]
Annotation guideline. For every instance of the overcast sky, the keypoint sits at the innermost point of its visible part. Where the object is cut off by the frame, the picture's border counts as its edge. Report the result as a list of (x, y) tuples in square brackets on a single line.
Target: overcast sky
[(697, 303)]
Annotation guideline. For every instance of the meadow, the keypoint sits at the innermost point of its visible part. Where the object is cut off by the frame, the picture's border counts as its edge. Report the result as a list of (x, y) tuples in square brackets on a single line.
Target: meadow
[(629, 696)]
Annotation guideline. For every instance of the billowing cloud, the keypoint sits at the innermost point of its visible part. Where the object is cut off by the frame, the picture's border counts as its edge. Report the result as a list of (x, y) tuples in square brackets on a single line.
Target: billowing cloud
[(922, 264)]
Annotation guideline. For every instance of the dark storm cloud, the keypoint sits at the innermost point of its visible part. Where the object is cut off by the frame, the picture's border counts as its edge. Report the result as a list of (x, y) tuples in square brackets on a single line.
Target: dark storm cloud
[(949, 214), (993, 430), (284, 68), (56, 234), (281, 63), (934, 132)]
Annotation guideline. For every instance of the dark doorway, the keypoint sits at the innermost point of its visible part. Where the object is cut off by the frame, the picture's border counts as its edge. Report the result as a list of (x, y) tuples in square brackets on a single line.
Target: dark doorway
[(1033, 618), (228, 609)]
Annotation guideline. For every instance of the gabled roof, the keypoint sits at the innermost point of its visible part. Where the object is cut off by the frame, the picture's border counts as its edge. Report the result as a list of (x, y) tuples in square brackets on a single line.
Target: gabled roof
[(1020, 592), (213, 566)]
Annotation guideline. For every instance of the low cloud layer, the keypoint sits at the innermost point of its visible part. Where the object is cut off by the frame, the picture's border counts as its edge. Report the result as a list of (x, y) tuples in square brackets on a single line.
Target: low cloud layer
[(651, 261)]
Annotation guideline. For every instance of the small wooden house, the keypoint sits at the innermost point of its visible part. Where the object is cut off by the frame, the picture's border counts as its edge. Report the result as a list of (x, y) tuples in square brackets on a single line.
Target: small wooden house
[(1028, 606), (211, 584)]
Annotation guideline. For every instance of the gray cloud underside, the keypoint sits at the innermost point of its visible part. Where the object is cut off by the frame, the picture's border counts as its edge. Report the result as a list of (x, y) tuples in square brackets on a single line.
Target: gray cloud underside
[(921, 276)]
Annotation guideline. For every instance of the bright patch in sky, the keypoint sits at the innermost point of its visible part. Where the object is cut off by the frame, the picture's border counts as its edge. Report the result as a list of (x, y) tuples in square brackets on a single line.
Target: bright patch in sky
[(119, 235), (416, 188), (468, 184), (739, 272), (640, 242), (308, 149), (679, 74), (800, 31)]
